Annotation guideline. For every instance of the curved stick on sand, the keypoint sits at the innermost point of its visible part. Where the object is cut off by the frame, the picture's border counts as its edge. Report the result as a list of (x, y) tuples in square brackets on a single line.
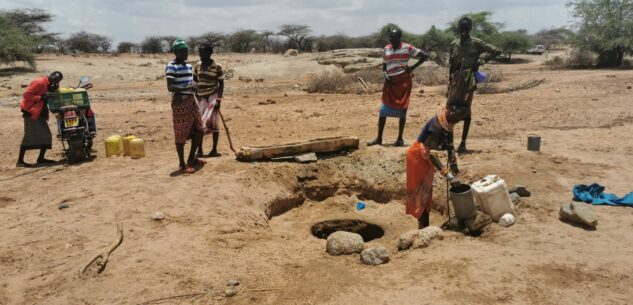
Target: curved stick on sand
[(102, 258)]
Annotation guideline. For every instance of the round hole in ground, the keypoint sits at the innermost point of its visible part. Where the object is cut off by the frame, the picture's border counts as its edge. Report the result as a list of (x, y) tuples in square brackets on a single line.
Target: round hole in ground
[(367, 230)]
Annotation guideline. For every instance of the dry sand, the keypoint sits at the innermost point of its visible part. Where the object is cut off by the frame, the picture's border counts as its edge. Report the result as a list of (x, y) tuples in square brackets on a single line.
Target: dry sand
[(218, 225)]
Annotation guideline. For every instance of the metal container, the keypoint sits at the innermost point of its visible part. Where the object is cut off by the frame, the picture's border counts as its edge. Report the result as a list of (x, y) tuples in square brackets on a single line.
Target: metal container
[(463, 202), (534, 142)]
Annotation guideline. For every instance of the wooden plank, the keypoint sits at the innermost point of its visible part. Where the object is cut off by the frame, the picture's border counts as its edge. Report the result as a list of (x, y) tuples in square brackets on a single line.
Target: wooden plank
[(325, 145)]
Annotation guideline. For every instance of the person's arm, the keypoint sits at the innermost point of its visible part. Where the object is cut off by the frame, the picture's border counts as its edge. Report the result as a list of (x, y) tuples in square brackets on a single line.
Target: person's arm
[(421, 56), (452, 157), (489, 51)]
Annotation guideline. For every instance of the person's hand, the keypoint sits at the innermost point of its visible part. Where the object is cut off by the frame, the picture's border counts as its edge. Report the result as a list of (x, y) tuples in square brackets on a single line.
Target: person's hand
[(218, 102), (455, 183), (386, 76)]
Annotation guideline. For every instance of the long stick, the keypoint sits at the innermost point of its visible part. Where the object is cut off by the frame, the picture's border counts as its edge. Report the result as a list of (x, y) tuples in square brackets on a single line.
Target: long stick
[(226, 128)]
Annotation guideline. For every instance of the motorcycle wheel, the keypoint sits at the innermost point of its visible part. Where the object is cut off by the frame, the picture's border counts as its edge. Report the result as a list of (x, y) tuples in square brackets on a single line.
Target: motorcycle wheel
[(76, 151)]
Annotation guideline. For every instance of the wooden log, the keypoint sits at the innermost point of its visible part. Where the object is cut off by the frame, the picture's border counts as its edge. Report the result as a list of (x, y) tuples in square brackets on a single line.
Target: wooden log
[(325, 145)]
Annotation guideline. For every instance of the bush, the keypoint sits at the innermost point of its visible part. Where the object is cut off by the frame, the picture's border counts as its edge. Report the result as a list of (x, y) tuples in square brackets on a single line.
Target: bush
[(371, 76), (431, 76), (330, 82), (581, 59), (556, 62)]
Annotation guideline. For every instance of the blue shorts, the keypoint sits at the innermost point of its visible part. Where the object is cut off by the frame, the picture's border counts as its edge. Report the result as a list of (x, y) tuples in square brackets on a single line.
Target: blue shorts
[(386, 111)]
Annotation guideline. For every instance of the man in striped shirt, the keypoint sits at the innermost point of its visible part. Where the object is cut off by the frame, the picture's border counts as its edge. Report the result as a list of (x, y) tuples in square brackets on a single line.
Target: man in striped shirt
[(209, 78), (187, 122), (398, 83)]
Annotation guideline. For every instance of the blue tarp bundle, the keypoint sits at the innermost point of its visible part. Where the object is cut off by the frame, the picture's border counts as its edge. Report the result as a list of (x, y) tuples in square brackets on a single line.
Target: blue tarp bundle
[(595, 195)]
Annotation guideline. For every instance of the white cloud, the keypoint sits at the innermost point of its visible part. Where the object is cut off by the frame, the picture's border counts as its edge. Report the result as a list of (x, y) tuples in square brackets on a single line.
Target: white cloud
[(135, 19)]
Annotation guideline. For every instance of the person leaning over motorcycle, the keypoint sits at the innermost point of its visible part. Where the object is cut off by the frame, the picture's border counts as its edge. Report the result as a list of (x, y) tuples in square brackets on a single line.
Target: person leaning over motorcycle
[(37, 134)]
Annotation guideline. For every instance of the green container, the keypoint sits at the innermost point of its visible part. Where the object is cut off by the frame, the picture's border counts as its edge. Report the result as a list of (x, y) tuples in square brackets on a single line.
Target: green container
[(58, 100)]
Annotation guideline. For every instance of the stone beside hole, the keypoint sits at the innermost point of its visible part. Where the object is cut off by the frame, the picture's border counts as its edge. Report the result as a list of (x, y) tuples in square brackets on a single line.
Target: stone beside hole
[(367, 230)]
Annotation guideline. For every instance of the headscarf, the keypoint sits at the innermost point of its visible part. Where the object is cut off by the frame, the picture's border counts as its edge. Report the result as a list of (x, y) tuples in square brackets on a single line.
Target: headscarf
[(442, 118)]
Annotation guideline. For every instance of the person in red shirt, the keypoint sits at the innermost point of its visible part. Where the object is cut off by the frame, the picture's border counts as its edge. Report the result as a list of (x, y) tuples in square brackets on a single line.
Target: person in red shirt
[(37, 134)]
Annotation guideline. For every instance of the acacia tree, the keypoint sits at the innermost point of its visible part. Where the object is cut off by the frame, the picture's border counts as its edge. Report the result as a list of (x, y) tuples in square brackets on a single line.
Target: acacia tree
[(512, 42), (243, 41), (88, 43), (127, 47), (297, 33), (604, 27), (436, 40), (32, 21)]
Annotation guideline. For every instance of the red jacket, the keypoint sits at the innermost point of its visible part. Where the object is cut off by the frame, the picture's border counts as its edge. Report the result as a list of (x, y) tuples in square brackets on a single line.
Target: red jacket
[(32, 101)]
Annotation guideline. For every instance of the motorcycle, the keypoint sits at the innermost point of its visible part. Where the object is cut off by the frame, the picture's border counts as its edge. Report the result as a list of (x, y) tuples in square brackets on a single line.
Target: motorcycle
[(76, 126)]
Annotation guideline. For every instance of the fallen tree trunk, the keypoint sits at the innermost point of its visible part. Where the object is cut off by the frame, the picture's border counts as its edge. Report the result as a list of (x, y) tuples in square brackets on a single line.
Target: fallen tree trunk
[(285, 150)]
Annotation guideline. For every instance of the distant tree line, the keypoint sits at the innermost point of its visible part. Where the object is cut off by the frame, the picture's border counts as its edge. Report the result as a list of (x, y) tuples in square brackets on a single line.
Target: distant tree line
[(604, 27)]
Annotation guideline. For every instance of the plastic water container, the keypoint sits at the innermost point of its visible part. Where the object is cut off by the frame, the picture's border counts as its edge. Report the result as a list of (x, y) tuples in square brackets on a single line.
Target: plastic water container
[(114, 146), (126, 144), (491, 193), (137, 148)]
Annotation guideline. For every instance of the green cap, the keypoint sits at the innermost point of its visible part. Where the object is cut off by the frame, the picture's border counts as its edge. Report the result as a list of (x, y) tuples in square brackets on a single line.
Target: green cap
[(179, 44)]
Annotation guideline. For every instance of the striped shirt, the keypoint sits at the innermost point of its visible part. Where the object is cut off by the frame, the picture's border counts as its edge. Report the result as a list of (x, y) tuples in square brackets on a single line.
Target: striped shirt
[(208, 79), (397, 59), (182, 76)]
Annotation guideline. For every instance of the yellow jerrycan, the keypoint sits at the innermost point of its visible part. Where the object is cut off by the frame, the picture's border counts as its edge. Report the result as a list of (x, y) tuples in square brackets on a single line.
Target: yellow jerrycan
[(137, 148), (114, 146), (126, 144)]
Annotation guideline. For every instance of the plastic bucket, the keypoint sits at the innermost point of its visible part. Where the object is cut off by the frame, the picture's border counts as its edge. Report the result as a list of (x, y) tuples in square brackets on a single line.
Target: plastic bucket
[(126, 145), (463, 202), (534, 142)]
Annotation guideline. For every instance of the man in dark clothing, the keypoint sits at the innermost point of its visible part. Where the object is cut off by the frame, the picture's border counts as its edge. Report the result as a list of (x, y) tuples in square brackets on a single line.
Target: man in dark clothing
[(465, 59)]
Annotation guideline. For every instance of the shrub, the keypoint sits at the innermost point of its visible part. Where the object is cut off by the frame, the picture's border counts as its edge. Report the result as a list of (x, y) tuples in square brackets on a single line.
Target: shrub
[(330, 82)]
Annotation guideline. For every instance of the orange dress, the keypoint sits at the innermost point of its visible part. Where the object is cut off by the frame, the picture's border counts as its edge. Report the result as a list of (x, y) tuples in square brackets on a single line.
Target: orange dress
[(420, 172)]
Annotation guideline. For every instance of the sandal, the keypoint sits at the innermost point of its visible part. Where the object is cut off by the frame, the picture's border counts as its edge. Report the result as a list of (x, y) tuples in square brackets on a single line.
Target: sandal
[(186, 170)]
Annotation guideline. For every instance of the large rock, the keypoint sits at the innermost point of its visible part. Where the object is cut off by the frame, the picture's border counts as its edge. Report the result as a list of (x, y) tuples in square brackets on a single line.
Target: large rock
[(520, 190), (418, 238), (579, 213), (374, 256), (344, 243)]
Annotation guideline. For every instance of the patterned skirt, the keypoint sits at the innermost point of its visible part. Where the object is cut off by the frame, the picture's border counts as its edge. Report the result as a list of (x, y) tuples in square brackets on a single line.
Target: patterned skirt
[(186, 117)]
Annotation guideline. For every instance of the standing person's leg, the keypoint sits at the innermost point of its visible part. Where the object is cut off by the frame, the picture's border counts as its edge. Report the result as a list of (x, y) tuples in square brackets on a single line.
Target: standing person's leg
[(423, 221), (381, 127), (180, 149), (401, 125), (467, 120), (21, 162), (200, 153), (41, 159), (214, 149), (196, 141)]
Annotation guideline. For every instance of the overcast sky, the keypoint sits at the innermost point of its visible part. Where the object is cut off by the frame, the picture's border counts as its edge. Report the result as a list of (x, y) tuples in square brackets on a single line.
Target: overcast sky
[(132, 20)]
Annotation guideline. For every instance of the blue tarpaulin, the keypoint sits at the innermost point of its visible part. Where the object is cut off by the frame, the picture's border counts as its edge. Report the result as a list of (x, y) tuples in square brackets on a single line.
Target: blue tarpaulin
[(595, 195)]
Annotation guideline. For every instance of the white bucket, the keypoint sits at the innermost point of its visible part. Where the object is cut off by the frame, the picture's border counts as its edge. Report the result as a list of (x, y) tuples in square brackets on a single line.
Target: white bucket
[(491, 194)]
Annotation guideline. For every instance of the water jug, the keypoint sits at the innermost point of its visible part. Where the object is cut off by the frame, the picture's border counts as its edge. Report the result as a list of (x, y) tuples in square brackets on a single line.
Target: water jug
[(137, 148), (492, 195), (126, 144), (463, 202), (113, 146)]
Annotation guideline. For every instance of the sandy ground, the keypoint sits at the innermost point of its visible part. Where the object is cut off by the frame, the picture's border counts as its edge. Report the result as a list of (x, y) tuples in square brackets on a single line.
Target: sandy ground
[(218, 223)]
